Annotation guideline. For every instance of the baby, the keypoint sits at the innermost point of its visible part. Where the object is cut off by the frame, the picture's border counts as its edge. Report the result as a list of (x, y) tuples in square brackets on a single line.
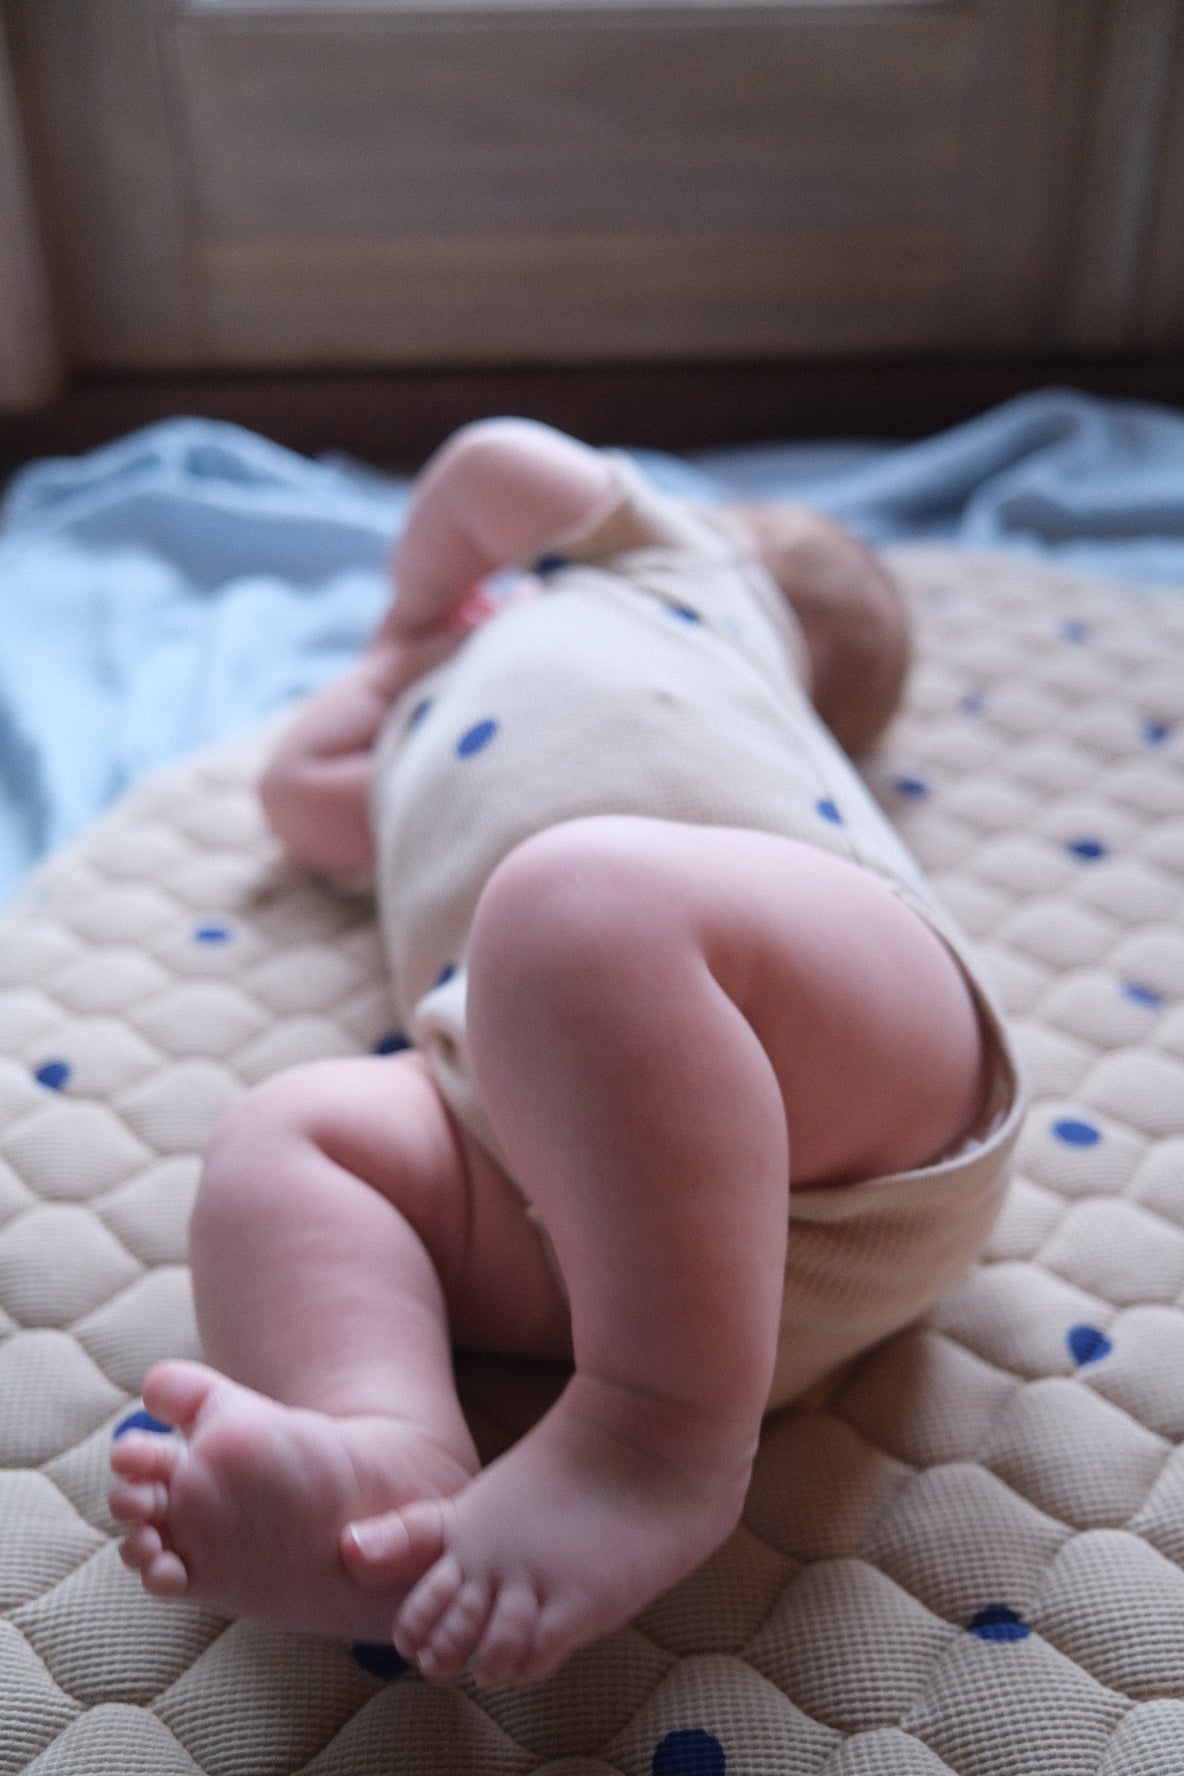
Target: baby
[(705, 1097)]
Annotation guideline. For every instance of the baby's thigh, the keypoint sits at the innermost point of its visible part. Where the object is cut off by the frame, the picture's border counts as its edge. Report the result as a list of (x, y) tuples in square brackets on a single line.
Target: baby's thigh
[(627, 922), (865, 1014)]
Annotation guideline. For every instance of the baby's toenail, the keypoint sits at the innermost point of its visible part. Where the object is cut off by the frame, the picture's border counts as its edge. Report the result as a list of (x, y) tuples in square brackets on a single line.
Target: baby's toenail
[(374, 1540)]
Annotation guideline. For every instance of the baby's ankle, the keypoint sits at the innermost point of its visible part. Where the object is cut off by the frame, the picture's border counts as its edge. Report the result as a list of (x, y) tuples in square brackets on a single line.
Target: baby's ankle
[(704, 1438)]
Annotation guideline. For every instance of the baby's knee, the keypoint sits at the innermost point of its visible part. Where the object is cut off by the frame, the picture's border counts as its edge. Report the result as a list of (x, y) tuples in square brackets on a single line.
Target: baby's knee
[(574, 912), (250, 1137)]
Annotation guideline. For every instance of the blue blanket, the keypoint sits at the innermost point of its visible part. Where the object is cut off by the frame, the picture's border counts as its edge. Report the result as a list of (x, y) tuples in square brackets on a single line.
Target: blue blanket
[(174, 588)]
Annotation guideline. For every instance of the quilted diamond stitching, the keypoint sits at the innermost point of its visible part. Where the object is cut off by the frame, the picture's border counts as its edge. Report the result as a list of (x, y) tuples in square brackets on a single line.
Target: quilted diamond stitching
[(1055, 822)]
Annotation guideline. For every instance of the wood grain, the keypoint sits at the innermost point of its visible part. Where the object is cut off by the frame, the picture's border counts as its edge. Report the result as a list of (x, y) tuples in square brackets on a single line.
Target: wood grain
[(1162, 319), (98, 83), (1122, 155), (295, 185), (30, 366)]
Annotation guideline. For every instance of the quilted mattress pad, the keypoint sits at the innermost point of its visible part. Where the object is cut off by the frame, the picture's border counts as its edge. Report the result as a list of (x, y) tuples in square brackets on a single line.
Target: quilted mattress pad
[(964, 1555)]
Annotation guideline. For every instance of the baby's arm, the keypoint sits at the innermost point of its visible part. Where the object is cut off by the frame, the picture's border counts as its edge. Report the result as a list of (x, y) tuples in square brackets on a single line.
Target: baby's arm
[(495, 494), (498, 493), (316, 790)]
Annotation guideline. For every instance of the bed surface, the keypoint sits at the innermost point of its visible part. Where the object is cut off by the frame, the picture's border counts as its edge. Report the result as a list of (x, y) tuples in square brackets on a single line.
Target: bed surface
[(964, 1557)]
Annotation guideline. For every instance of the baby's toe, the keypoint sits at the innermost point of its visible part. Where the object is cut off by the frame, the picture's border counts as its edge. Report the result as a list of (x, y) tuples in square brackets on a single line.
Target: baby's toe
[(426, 1605), (508, 1638), (140, 1547), (176, 1391), (145, 1457), (165, 1575), (457, 1631), (396, 1547), (140, 1502), (162, 1571)]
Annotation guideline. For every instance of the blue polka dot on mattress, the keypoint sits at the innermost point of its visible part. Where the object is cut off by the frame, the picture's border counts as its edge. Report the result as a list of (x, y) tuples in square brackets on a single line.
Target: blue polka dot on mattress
[(140, 1420), (689, 1752), (997, 1622), (1087, 1344), (1076, 1134), (1088, 850), (379, 1659)]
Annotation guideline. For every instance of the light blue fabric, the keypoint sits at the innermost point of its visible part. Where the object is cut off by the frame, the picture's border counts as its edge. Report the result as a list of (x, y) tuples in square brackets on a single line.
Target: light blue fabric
[(160, 594), (176, 587)]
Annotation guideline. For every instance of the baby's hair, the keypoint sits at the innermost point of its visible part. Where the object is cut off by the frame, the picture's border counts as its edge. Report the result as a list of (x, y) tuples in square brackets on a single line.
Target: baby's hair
[(853, 617)]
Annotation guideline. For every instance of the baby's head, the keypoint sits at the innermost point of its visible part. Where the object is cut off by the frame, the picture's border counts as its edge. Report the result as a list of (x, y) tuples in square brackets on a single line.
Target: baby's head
[(852, 615)]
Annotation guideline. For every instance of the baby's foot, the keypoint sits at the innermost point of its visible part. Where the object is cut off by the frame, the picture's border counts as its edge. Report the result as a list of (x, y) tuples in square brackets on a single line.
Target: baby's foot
[(244, 1512), (564, 1538)]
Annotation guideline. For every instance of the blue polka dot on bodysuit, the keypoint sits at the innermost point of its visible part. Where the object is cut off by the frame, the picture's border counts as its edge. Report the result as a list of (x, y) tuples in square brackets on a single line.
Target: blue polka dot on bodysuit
[(1141, 995), (550, 564), (1074, 630), (1073, 1133), (140, 1420), (476, 738), (828, 811), (683, 612), (998, 1623), (446, 974), (212, 934), (913, 789), (393, 1042), (379, 1659), (973, 703), (1087, 1344), (1156, 732), (418, 713), (1087, 849), (53, 1074), (689, 1752)]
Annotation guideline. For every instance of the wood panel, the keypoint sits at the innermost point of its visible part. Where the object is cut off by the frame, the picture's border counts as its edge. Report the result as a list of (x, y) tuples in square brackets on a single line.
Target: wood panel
[(95, 80), (1121, 163), (302, 184), (1020, 171), (678, 182), (30, 368), (1162, 319)]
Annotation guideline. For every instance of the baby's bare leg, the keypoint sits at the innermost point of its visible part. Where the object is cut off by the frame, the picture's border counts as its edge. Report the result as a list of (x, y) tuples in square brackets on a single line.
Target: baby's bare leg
[(663, 1020), (336, 1211)]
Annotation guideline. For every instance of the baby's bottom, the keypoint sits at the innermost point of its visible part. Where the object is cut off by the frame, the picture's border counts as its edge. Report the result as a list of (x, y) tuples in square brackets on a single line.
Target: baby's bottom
[(665, 1023)]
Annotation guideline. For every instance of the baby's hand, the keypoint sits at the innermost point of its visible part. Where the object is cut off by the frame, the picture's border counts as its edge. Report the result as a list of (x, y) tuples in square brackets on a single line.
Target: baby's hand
[(316, 790)]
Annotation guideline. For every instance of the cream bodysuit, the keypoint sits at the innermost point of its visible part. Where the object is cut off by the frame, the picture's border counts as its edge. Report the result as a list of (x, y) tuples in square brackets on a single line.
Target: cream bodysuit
[(658, 673)]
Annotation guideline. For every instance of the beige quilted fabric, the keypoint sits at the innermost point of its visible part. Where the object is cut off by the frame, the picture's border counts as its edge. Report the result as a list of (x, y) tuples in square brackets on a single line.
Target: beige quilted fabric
[(965, 1558)]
